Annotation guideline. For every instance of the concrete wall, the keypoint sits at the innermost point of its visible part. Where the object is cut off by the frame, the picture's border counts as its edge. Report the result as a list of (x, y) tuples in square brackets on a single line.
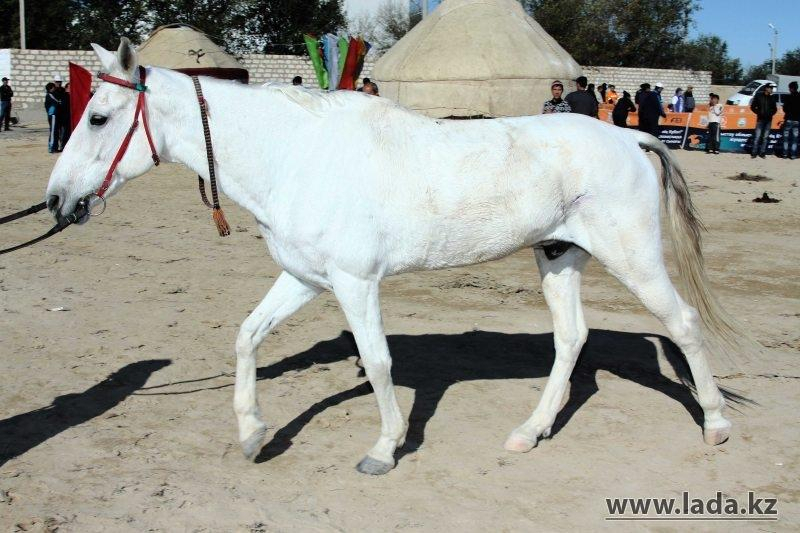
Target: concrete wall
[(30, 70), (629, 79), (283, 68)]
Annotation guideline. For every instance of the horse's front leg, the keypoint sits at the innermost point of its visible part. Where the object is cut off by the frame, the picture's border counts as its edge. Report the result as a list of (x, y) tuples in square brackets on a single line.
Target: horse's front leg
[(286, 296), (359, 299)]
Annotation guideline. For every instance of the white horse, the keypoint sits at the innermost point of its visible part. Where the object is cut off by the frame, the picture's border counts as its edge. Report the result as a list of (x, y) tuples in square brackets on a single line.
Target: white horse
[(348, 189)]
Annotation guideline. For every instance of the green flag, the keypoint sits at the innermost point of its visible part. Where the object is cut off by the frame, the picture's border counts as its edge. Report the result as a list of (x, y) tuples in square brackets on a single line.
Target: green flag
[(316, 61)]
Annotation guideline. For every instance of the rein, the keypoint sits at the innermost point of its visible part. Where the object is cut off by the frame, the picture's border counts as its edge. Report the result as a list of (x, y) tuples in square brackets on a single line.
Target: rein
[(83, 208)]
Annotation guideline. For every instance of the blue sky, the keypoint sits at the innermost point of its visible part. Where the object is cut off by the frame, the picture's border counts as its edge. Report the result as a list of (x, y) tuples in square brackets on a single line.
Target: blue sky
[(743, 24)]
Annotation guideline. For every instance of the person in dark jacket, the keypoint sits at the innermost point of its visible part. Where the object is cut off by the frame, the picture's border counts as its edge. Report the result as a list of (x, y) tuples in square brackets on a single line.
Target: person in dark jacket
[(581, 101), (791, 123), (62, 111), (621, 109), (6, 93), (765, 107), (689, 103), (649, 110), (51, 104)]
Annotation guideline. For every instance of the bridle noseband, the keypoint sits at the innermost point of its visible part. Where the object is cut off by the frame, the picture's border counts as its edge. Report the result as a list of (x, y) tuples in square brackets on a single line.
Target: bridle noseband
[(83, 208)]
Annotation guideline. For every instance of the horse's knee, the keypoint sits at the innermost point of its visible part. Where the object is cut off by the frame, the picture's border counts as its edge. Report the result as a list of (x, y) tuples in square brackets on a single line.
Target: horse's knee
[(571, 341), (377, 367), (245, 344)]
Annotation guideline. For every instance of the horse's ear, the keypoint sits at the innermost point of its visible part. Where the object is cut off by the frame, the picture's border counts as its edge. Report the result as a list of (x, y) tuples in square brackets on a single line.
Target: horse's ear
[(107, 59), (126, 56)]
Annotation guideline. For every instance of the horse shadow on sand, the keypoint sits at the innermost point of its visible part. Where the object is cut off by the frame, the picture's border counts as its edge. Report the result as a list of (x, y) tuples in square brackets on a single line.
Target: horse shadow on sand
[(21, 433), (430, 364)]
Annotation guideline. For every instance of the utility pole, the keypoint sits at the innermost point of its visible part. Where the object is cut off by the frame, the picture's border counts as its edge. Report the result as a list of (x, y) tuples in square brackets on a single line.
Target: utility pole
[(22, 24), (774, 46)]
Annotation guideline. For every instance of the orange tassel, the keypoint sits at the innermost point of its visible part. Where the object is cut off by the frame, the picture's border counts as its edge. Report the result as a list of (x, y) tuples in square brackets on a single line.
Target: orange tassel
[(222, 224)]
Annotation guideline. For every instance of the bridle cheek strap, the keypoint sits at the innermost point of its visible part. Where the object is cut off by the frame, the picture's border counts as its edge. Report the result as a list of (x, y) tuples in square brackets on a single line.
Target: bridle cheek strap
[(141, 111)]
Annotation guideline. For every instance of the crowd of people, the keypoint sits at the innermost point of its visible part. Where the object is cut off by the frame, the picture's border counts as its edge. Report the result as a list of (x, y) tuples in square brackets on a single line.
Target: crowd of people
[(650, 109)]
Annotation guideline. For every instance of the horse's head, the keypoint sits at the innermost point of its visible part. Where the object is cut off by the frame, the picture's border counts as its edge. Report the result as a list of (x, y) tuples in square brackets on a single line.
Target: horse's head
[(86, 159)]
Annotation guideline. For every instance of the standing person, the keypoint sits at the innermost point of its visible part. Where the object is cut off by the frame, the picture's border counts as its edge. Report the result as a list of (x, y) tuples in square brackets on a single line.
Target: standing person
[(621, 109), (62, 111), (556, 104), (689, 102), (371, 88), (791, 122), (364, 83), (612, 96), (602, 89), (650, 109), (714, 117), (658, 88), (677, 101), (65, 118), (765, 107), (581, 101), (590, 90), (5, 104), (51, 104), (638, 94)]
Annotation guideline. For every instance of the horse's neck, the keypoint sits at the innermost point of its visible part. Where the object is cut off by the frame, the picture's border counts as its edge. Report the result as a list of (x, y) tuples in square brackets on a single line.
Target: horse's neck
[(242, 123)]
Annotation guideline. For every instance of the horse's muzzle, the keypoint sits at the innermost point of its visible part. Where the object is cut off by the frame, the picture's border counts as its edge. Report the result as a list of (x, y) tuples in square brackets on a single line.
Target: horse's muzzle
[(79, 215)]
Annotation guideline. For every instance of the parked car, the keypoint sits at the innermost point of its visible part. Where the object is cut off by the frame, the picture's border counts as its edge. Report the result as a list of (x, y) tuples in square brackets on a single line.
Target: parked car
[(746, 93)]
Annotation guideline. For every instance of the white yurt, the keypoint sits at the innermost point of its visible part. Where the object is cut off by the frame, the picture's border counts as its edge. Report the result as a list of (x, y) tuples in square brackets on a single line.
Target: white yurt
[(186, 49), (475, 58)]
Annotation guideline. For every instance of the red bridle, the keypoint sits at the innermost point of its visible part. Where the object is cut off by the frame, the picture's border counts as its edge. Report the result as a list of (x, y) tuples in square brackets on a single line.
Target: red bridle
[(141, 111)]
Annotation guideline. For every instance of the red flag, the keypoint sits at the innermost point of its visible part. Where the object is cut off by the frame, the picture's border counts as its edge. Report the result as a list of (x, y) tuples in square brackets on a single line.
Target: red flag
[(80, 90)]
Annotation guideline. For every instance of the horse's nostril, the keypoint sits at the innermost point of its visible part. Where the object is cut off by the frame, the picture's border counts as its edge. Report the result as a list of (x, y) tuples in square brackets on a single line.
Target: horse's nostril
[(52, 202)]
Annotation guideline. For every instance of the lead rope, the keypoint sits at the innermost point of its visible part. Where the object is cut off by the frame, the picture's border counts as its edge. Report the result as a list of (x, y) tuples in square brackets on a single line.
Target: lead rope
[(216, 210)]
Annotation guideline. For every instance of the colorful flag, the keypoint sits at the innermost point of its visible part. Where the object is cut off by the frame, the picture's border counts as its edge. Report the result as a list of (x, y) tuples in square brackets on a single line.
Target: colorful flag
[(344, 44), (316, 60), (80, 91), (331, 47), (349, 73)]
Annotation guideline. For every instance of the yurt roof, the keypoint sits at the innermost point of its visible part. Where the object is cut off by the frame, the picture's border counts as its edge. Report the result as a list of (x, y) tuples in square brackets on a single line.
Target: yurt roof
[(466, 46), (180, 46)]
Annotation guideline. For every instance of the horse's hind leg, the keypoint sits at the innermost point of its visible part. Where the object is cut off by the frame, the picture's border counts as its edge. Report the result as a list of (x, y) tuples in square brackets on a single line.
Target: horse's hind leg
[(639, 265), (561, 278), (286, 296)]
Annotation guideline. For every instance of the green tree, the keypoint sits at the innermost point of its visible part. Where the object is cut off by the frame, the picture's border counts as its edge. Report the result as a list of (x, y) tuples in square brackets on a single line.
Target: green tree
[(710, 52), (645, 33), (47, 23), (788, 63), (277, 26), (239, 25)]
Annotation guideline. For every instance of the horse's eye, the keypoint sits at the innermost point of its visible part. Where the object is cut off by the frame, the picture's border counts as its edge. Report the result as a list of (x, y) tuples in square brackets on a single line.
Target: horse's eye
[(97, 120)]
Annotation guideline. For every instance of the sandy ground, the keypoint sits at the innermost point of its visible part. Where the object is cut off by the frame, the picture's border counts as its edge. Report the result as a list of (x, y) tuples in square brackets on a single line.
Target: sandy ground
[(115, 412)]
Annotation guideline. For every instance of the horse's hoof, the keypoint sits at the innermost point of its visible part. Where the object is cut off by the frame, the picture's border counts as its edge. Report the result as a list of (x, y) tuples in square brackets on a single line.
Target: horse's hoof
[(251, 446), (519, 444), (373, 467), (717, 435)]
